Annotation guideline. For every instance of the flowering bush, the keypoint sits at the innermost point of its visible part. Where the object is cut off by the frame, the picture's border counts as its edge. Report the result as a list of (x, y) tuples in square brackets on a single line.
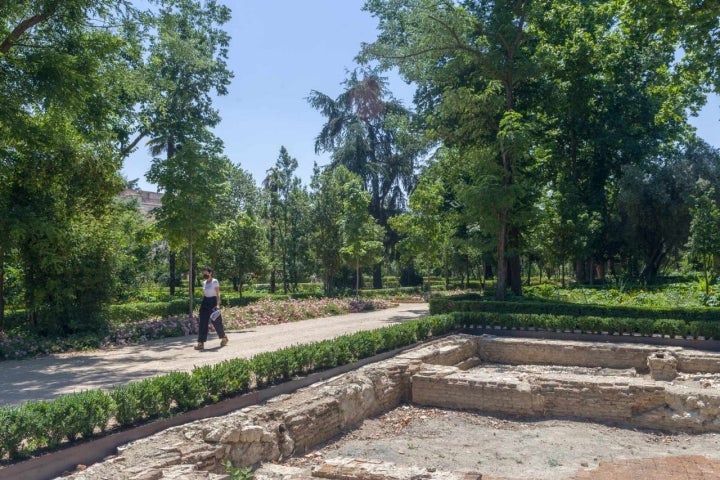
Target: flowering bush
[(264, 312)]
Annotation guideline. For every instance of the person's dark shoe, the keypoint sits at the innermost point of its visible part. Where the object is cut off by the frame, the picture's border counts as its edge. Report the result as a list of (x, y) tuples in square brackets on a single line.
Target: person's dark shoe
[(199, 346), (224, 341)]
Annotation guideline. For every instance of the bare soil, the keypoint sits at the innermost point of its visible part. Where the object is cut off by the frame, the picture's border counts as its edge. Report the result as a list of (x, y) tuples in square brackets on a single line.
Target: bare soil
[(507, 448)]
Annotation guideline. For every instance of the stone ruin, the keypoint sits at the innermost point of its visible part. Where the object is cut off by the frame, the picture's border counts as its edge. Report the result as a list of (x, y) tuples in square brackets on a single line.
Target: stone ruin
[(662, 388)]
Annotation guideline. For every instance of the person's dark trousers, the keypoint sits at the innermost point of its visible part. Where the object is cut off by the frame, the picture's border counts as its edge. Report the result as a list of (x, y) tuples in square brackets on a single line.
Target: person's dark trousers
[(206, 307)]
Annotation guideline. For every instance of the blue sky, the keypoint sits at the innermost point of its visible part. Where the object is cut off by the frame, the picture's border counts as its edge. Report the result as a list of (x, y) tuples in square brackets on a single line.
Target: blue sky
[(280, 52)]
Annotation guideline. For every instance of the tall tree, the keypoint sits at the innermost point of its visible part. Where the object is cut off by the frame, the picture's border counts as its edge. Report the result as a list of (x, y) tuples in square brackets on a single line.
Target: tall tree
[(614, 101), (65, 70), (427, 228), (704, 242), (367, 131), (326, 238), (471, 58), (361, 235), (272, 185), (187, 63), (192, 182)]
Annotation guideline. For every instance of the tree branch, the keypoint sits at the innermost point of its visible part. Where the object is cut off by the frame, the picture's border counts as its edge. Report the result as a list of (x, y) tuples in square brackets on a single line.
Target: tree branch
[(126, 151), (20, 29)]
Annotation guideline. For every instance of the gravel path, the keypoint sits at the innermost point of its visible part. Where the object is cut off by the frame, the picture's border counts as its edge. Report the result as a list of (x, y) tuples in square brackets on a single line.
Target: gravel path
[(48, 377)]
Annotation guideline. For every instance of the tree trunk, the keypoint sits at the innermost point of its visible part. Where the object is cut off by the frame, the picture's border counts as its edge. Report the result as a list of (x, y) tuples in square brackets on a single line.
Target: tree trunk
[(515, 275), (529, 270), (2, 289), (580, 271), (377, 276), (172, 261), (272, 259), (501, 260), (357, 279), (191, 283)]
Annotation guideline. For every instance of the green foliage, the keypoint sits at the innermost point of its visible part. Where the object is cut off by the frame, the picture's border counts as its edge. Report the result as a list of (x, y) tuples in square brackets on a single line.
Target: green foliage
[(328, 192), (15, 425), (441, 305), (704, 241), (237, 473), (361, 236), (371, 134), (670, 328), (64, 93)]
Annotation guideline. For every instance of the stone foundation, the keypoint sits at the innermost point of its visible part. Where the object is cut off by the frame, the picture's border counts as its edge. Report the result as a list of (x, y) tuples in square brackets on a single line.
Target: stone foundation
[(444, 373)]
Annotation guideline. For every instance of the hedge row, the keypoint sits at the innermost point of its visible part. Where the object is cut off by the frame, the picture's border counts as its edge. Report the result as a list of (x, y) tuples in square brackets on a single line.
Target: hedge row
[(27, 428), (384, 292), (591, 324), (469, 303)]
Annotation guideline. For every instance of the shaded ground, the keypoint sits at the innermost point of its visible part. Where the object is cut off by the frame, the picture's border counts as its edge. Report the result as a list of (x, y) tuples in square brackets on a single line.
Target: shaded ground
[(506, 448)]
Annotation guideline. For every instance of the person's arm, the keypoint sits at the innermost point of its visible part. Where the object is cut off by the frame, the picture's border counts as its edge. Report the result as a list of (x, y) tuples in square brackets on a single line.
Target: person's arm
[(217, 293)]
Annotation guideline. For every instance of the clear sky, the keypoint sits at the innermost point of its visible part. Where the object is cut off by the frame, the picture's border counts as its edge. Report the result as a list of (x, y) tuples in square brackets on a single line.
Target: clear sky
[(280, 52)]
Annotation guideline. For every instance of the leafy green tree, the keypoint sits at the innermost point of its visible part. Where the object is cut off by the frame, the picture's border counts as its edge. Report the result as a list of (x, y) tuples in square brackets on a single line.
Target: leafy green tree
[(613, 102), (134, 240), (427, 229), (298, 236), (704, 241), (368, 131), (327, 194), (361, 235), (470, 60), (187, 62), (277, 186), (653, 204), (243, 195), (192, 182), (65, 70), (238, 248)]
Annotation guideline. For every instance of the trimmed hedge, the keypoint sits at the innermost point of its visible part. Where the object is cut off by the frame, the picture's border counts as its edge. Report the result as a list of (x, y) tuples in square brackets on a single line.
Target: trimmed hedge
[(473, 303), (384, 292), (27, 428), (665, 327)]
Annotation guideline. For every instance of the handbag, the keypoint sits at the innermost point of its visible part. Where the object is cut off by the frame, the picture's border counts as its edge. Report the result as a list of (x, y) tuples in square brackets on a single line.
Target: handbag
[(215, 314)]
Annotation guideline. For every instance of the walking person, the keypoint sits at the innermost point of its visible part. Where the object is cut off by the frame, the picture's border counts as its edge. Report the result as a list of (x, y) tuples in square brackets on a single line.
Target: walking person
[(210, 310)]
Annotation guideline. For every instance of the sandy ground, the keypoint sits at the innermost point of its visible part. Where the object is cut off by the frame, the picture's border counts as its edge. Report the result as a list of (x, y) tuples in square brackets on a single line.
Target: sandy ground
[(507, 448)]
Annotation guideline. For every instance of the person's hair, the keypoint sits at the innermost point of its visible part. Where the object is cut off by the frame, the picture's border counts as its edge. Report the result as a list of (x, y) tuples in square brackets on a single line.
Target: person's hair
[(207, 269)]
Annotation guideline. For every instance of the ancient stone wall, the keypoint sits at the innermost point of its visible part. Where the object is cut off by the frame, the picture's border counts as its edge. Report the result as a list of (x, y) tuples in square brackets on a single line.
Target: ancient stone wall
[(517, 351)]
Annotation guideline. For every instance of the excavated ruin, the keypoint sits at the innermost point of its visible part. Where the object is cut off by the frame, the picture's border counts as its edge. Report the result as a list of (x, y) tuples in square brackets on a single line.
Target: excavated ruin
[(668, 389)]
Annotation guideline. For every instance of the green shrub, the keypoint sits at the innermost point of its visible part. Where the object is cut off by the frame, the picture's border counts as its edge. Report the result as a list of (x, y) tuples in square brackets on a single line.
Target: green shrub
[(233, 377), (127, 403), (475, 303), (15, 425), (211, 386)]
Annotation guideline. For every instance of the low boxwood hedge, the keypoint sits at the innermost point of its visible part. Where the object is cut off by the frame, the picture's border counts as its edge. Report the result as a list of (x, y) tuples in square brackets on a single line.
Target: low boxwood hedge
[(35, 425), (666, 327), (475, 303)]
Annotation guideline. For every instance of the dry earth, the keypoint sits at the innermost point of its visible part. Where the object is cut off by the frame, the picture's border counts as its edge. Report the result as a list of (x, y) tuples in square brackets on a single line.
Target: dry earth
[(505, 448)]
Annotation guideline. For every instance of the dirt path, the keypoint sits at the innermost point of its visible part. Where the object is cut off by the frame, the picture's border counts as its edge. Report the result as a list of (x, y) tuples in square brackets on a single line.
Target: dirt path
[(48, 377)]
